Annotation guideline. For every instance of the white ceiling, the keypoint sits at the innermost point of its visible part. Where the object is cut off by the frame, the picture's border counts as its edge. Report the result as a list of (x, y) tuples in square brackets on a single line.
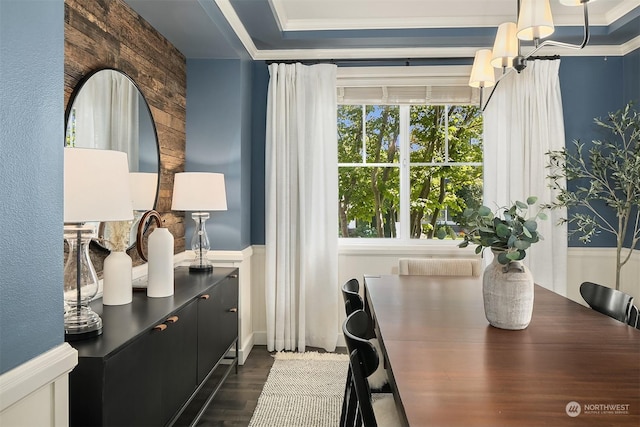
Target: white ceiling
[(331, 29)]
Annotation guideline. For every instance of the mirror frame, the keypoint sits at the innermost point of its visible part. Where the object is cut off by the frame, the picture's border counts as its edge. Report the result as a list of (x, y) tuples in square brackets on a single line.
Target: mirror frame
[(74, 95)]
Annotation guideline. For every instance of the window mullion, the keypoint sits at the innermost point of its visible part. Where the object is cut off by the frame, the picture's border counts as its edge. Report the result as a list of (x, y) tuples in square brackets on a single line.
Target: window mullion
[(405, 185)]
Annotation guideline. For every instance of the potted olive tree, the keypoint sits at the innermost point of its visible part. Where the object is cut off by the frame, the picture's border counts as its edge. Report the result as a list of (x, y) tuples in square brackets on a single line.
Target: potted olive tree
[(604, 177)]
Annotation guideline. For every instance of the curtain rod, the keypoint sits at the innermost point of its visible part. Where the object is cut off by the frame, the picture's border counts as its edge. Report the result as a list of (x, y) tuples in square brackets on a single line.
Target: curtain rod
[(407, 61)]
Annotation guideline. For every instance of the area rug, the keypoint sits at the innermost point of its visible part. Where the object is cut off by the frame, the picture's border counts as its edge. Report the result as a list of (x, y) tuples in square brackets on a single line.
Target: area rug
[(302, 390)]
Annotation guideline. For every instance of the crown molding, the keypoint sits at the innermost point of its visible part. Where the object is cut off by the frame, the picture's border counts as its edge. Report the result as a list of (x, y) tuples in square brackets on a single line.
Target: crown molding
[(238, 27), (393, 53), (630, 46)]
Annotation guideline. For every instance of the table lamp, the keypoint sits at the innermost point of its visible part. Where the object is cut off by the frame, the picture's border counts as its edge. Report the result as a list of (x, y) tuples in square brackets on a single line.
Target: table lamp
[(199, 192), (96, 188)]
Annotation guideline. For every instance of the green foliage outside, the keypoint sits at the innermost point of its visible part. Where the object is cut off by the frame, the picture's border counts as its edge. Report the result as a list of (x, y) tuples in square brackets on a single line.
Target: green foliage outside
[(370, 196)]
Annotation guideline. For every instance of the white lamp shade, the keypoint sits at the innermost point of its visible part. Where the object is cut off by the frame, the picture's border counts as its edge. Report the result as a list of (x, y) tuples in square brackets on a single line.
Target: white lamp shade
[(96, 186), (482, 74), (144, 187), (535, 20), (505, 47), (199, 191)]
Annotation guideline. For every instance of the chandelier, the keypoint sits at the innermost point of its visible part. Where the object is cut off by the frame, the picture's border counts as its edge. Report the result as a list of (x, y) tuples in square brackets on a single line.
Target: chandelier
[(535, 23)]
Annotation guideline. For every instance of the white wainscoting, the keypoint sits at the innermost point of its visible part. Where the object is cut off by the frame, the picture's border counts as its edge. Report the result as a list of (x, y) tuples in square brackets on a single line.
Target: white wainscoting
[(584, 264), (36, 393)]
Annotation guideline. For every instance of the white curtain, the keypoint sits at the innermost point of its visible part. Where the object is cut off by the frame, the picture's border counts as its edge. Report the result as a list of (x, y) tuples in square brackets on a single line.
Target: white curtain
[(522, 121), (106, 115), (302, 293)]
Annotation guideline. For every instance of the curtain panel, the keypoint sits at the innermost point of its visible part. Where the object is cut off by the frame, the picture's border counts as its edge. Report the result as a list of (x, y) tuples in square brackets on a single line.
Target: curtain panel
[(522, 122), (302, 292)]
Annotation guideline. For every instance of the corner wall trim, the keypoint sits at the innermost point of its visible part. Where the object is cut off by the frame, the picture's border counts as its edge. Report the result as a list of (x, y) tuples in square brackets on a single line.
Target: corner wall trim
[(35, 373)]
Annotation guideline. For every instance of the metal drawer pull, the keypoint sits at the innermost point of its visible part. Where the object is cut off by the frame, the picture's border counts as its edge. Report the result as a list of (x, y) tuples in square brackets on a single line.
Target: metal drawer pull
[(205, 296), (233, 310), (172, 319), (161, 327), (233, 276)]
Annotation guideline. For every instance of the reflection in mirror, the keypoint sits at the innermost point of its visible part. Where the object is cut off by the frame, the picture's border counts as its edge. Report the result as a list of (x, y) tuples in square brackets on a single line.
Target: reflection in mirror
[(107, 111)]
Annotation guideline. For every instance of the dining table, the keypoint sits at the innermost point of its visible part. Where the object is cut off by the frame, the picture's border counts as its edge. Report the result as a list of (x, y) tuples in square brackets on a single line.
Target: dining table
[(571, 366)]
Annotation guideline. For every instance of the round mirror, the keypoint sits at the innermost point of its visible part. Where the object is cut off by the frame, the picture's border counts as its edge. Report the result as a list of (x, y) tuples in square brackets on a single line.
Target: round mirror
[(107, 111)]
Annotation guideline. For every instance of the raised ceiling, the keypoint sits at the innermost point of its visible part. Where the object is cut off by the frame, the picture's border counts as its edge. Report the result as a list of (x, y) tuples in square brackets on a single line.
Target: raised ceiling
[(347, 29)]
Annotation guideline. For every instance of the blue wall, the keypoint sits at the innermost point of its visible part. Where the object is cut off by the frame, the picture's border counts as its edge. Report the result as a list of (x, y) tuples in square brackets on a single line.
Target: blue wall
[(219, 140), (592, 87), (31, 173), (259, 127), (631, 70)]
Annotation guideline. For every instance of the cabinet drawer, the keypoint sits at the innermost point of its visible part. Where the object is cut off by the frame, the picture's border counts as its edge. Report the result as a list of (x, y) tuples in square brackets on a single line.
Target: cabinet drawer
[(217, 323)]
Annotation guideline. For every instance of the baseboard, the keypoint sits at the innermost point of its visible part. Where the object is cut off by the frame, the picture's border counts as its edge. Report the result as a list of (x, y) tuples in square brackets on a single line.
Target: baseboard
[(245, 349), (260, 338)]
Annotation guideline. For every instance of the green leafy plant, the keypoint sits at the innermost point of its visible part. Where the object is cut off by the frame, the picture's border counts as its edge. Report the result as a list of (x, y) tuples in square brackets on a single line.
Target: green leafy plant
[(508, 231), (606, 176)]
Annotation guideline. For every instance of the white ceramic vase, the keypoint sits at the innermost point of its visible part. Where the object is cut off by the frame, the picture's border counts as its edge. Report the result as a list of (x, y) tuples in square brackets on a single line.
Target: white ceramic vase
[(117, 271), (508, 295), (160, 263)]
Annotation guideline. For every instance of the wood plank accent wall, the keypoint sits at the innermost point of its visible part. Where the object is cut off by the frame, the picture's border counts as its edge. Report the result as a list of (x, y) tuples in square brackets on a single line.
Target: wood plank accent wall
[(109, 34)]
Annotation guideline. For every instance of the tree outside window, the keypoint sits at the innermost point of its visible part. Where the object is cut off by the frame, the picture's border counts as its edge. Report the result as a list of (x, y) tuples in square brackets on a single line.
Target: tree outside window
[(407, 170)]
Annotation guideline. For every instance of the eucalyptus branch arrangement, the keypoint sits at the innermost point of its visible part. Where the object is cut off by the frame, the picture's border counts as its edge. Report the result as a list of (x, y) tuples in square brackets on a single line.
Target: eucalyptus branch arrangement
[(604, 177), (508, 231)]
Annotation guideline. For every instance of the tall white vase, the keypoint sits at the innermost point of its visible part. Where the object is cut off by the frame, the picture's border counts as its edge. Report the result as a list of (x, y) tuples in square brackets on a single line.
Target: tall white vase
[(117, 271), (160, 256), (508, 295)]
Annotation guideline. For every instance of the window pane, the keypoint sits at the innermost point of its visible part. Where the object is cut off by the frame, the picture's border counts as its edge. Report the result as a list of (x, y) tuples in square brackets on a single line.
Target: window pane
[(349, 133), (439, 195), (465, 134), (427, 133), (383, 132), (369, 201)]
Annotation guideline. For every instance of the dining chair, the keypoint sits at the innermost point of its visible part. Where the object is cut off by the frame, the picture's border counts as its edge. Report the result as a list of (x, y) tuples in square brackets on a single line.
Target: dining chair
[(634, 317), (359, 408), (351, 295), (353, 302), (440, 266), (605, 300)]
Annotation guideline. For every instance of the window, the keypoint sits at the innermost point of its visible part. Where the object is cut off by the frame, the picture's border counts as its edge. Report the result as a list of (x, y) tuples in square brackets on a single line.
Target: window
[(407, 171)]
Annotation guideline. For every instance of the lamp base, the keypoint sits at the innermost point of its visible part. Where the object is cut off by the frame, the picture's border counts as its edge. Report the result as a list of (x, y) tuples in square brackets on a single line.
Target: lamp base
[(78, 336), (201, 268), (81, 324)]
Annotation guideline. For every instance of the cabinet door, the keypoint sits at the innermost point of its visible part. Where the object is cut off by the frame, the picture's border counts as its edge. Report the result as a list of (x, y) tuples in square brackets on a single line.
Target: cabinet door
[(150, 379), (217, 323), (179, 367), (132, 386)]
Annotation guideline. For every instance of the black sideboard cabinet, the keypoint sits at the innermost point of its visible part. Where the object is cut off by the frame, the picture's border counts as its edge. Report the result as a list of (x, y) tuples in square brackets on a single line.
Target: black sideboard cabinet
[(155, 354)]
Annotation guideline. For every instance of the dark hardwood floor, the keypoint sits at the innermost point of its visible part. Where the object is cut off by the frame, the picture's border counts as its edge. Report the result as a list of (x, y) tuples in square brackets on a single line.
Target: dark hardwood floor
[(237, 398)]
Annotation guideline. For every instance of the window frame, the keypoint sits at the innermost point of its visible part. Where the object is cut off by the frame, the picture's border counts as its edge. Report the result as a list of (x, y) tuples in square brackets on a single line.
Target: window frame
[(403, 76)]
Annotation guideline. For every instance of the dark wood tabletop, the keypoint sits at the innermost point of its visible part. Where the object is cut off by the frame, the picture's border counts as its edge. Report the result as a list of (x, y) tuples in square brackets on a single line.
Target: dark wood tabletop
[(449, 367)]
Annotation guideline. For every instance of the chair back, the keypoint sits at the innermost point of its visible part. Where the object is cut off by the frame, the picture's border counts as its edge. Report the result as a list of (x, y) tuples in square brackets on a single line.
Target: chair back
[(350, 294), (363, 361), (634, 317), (607, 301), (440, 266)]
